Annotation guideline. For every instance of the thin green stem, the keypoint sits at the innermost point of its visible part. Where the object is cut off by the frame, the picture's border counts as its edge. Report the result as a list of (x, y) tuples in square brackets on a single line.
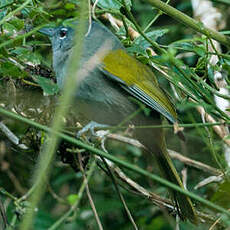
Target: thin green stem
[(12, 223), (7, 5), (172, 126), (213, 152), (168, 126), (199, 89), (119, 193), (125, 26), (14, 12), (28, 194), (41, 174), (79, 196), (5, 193), (188, 21), (155, 18), (131, 17), (20, 37)]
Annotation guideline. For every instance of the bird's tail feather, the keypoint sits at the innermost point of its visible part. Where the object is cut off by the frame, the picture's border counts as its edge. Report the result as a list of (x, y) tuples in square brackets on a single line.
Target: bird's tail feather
[(155, 143)]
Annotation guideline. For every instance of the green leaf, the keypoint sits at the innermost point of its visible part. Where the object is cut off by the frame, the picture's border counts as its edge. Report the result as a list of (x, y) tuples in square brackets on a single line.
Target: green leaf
[(25, 55), (153, 35), (8, 69), (4, 3), (70, 6), (17, 23), (190, 46), (140, 44), (2, 14), (221, 197), (72, 198), (9, 28), (48, 86), (201, 64), (136, 49), (226, 67), (199, 50), (112, 4)]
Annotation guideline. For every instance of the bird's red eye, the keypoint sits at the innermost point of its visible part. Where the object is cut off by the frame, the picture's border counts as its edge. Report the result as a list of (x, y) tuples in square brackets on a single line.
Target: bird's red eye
[(63, 33)]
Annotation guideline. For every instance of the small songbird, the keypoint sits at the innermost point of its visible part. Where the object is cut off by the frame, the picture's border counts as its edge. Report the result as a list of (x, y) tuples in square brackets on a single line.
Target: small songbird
[(105, 95)]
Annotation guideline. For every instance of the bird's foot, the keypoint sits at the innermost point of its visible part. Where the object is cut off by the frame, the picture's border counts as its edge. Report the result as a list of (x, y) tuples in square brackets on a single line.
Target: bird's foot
[(91, 126)]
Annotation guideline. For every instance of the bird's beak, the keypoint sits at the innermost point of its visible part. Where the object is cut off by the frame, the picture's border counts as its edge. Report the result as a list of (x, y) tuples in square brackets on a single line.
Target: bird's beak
[(49, 31)]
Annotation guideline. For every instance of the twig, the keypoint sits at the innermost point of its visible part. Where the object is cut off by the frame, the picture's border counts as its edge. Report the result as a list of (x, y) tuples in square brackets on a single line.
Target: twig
[(173, 154), (15, 181), (218, 129), (55, 196), (132, 33), (12, 137), (196, 164), (79, 196), (156, 199), (88, 193), (153, 43), (120, 194), (209, 180), (215, 223)]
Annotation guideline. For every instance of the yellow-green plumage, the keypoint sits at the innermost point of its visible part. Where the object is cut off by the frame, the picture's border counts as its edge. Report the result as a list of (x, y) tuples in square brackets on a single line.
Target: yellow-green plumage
[(133, 74)]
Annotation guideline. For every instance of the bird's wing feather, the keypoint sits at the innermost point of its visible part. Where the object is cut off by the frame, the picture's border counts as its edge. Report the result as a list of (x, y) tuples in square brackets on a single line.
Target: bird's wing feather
[(138, 80)]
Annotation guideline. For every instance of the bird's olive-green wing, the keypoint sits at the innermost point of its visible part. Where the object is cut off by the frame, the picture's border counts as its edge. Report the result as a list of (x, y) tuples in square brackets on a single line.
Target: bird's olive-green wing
[(138, 80)]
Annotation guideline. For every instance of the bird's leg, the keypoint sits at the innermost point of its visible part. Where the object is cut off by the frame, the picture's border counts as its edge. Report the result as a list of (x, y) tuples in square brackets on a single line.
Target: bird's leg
[(91, 126)]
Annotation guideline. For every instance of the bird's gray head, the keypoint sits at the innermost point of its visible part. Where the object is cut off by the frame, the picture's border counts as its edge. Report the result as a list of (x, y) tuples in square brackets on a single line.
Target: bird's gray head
[(62, 39)]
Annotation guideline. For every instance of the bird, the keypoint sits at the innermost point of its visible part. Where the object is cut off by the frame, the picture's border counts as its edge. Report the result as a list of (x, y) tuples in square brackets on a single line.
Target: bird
[(106, 95)]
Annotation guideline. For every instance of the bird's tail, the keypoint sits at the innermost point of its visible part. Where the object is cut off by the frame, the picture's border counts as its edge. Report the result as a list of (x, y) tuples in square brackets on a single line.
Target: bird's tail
[(183, 202), (155, 143)]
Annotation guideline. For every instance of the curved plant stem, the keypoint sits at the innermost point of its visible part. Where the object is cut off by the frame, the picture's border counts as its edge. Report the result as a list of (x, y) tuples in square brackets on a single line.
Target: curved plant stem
[(79, 196), (41, 174), (188, 21)]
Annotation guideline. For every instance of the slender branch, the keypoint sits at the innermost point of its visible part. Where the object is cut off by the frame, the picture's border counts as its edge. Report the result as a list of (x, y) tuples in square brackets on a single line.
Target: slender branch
[(173, 154), (153, 43), (79, 196), (41, 174), (188, 21), (21, 37), (156, 199), (195, 164), (88, 194), (119, 193)]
